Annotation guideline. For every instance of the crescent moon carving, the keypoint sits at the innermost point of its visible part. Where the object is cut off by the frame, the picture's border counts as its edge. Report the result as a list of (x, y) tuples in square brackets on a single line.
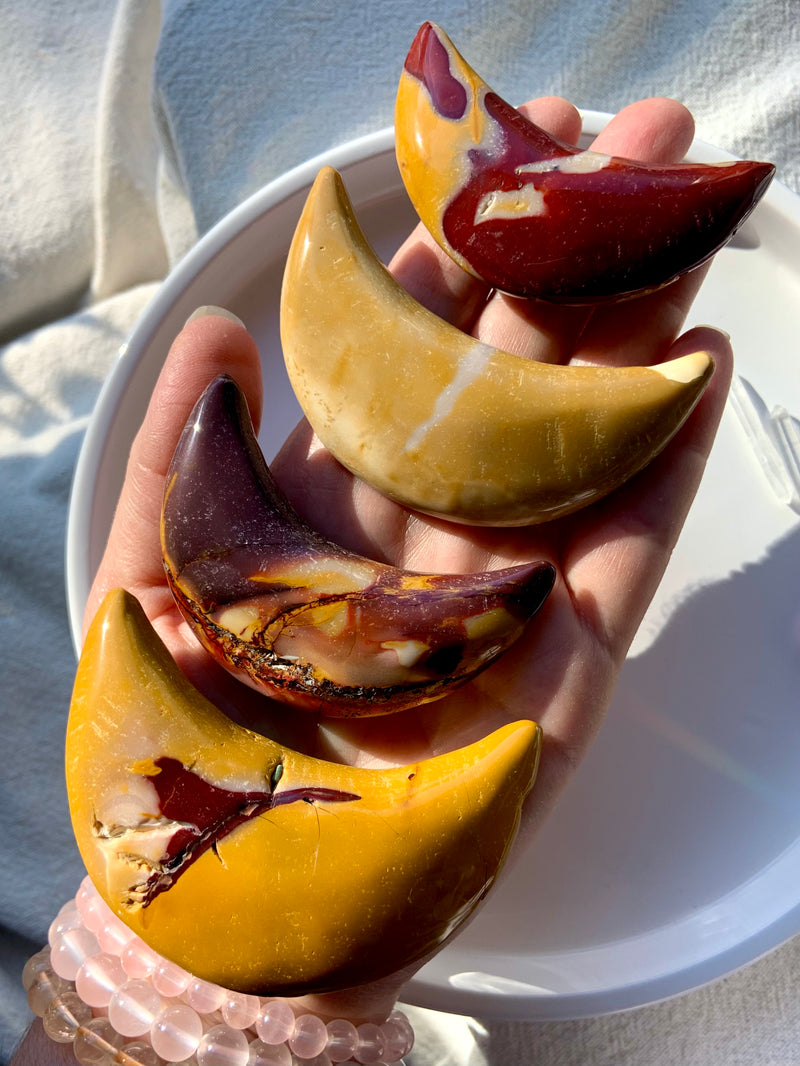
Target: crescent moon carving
[(296, 616), (441, 422), (533, 216), (336, 875)]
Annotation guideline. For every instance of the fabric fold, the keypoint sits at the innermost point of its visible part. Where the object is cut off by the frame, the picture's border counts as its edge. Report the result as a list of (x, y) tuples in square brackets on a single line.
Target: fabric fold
[(129, 248)]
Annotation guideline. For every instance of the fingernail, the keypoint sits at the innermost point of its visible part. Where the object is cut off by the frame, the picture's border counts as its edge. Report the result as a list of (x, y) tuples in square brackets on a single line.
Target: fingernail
[(217, 312)]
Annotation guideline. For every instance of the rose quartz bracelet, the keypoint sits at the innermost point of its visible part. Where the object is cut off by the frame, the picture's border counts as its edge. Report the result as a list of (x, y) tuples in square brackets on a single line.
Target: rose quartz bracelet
[(102, 989)]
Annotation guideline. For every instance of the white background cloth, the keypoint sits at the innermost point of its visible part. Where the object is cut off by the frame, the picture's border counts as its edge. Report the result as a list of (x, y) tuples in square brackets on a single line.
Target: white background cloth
[(127, 130)]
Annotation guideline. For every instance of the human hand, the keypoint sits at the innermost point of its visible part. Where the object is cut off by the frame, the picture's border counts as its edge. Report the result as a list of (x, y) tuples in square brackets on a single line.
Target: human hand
[(609, 557)]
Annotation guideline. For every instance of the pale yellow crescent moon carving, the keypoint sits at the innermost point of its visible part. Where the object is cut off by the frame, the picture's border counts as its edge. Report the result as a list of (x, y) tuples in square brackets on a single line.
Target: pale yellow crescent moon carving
[(257, 867), (441, 422)]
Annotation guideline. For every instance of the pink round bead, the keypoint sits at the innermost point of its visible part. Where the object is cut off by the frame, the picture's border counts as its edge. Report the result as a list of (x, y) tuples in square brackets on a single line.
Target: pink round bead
[(98, 978), (91, 906), (239, 1010), (223, 1046), (138, 960), (68, 917), (104, 914), (204, 996), (95, 915), (275, 1022), (170, 980), (262, 1054), (342, 1040), (398, 1036), (309, 1037), (85, 892), (176, 1032), (134, 1007), (70, 948), (114, 935), (370, 1043)]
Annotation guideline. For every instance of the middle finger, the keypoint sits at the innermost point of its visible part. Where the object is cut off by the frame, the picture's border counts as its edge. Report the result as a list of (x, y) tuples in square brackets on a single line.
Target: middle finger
[(656, 131), (431, 276)]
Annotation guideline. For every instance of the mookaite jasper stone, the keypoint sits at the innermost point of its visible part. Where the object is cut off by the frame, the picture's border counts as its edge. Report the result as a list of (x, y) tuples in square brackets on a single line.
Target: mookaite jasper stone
[(533, 216), (442, 422), (297, 616), (256, 867)]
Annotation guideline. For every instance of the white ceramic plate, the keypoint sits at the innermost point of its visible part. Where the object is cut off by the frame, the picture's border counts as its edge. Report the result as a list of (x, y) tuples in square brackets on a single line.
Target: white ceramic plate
[(673, 858)]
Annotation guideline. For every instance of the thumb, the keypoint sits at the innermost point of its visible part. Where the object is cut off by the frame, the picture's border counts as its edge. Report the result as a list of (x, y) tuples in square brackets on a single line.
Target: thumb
[(212, 342)]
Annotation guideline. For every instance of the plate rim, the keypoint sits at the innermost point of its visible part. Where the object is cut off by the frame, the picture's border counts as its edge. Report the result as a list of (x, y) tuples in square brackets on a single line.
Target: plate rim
[(571, 1006)]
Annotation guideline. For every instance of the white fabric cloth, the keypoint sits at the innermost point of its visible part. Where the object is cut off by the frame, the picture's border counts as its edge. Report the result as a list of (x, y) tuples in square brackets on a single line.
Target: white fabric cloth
[(128, 130)]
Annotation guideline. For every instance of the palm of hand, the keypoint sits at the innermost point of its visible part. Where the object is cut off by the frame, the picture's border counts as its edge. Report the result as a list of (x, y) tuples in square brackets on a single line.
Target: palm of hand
[(609, 557)]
